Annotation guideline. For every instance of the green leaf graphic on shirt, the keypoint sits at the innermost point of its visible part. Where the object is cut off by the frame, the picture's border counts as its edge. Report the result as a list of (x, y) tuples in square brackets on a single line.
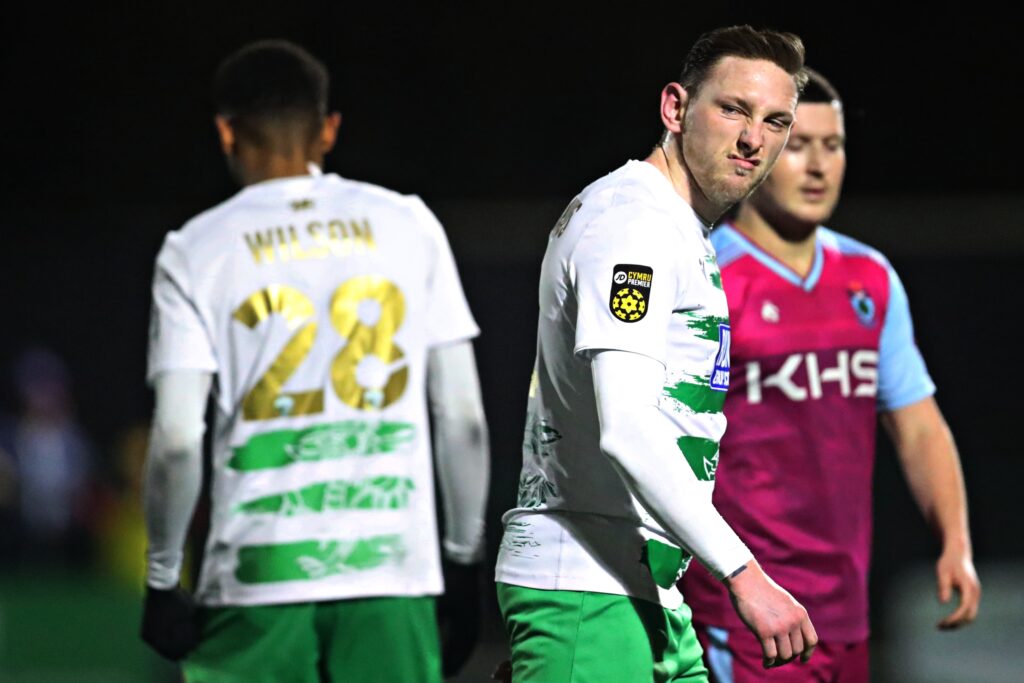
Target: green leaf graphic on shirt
[(716, 278), (705, 326), (714, 274), (378, 493), (701, 454), (539, 434), (534, 490), (518, 540), (696, 394), (322, 442), (313, 560)]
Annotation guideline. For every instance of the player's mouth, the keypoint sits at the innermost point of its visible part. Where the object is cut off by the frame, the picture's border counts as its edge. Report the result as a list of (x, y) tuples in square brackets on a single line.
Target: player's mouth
[(744, 163), (813, 194)]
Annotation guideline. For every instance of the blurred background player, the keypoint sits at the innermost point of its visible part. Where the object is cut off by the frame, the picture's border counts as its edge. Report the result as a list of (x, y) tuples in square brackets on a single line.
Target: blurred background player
[(822, 342), (618, 468), (48, 479), (323, 312)]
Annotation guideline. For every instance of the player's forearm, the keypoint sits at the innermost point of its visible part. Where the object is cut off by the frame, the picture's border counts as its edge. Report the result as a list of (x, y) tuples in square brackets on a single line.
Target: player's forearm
[(931, 465), (173, 472), (172, 484), (642, 448), (463, 466), (461, 449)]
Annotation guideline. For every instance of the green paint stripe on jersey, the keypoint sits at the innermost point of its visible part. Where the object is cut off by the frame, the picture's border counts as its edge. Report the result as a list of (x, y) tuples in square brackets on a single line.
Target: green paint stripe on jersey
[(378, 493), (322, 442), (714, 274), (314, 560), (534, 490), (705, 326), (701, 454), (696, 394), (716, 278)]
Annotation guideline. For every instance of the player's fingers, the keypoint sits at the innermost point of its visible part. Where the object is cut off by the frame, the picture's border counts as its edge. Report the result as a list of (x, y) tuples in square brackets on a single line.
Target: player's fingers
[(810, 638), (796, 639), (970, 594), (956, 617), (975, 600), (769, 651), (785, 648), (945, 585)]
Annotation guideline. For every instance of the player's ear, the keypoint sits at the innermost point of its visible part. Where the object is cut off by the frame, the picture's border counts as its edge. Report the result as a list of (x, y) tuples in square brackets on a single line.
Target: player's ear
[(226, 134), (674, 99), (329, 131)]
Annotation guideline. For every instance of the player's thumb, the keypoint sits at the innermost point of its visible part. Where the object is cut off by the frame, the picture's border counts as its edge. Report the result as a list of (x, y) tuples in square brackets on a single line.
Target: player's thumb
[(945, 586)]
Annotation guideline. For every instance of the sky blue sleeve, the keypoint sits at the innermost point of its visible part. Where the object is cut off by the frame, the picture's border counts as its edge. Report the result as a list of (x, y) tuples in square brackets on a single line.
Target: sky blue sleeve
[(902, 376)]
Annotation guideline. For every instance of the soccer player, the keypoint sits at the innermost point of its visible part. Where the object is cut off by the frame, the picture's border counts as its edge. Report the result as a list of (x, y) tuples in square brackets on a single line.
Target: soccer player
[(323, 312), (625, 407), (822, 341)]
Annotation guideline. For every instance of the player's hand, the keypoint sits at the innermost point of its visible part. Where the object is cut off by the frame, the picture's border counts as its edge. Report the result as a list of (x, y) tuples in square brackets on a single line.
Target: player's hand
[(458, 615), (955, 571), (778, 621), (169, 623)]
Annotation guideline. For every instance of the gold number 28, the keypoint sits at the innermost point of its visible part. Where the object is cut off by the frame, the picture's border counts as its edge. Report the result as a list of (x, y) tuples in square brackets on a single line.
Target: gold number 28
[(266, 400)]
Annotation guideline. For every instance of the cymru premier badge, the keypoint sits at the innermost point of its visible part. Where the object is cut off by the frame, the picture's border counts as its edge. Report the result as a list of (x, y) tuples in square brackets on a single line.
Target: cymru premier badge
[(631, 292)]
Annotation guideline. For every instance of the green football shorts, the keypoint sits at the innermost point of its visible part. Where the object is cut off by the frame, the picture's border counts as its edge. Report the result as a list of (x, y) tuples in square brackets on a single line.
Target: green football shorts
[(369, 640), (579, 637)]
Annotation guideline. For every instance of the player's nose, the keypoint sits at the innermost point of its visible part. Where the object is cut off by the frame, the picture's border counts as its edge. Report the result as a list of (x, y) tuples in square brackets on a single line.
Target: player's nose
[(816, 161), (751, 138)]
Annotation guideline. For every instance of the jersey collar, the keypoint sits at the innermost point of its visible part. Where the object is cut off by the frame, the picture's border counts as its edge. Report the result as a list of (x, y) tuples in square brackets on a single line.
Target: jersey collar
[(662, 186), (750, 247)]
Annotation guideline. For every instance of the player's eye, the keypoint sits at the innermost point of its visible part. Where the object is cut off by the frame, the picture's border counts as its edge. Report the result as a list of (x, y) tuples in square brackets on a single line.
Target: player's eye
[(730, 110), (795, 145)]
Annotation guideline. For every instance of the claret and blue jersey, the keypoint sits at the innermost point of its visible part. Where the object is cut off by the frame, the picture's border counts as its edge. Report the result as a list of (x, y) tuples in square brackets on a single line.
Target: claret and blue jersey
[(813, 360)]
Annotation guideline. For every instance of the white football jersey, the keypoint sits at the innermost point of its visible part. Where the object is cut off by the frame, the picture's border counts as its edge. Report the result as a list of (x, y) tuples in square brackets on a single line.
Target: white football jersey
[(313, 300), (628, 267)]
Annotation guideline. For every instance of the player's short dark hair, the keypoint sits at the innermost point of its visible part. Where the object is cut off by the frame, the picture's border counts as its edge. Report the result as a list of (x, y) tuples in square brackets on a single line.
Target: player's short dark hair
[(818, 90), (270, 87), (783, 49)]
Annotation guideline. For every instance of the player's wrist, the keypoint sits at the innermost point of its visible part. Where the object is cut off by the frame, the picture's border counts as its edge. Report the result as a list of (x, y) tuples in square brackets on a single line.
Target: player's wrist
[(463, 554), (161, 575), (745, 580), (957, 544)]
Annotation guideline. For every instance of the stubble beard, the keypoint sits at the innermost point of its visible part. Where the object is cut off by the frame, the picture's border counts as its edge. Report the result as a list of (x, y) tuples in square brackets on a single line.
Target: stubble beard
[(717, 189), (725, 193)]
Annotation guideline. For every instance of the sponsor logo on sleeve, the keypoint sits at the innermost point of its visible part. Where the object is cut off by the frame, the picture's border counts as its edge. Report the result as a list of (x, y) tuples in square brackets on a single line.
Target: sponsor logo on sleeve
[(563, 221), (631, 292), (720, 375)]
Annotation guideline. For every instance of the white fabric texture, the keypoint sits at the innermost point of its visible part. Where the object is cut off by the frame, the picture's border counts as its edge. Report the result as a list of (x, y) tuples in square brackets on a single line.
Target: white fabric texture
[(461, 449), (174, 470), (629, 267), (640, 445), (314, 301)]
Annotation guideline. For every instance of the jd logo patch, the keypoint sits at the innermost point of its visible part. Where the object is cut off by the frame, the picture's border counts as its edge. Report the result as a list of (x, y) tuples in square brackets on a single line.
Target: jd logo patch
[(631, 291)]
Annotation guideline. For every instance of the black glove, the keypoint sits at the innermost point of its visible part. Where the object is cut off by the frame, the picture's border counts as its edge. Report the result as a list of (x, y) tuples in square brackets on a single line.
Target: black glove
[(458, 615), (169, 623)]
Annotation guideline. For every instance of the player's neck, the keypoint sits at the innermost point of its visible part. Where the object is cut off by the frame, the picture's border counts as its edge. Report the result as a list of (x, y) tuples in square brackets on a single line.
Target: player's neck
[(794, 248), (665, 158), (257, 166)]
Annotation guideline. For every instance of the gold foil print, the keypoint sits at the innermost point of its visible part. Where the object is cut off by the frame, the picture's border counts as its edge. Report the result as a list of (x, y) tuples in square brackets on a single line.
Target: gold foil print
[(363, 340), (265, 400)]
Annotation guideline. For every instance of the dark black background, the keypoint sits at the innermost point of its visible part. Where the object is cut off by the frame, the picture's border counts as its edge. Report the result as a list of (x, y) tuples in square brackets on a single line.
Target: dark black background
[(107, 143)]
